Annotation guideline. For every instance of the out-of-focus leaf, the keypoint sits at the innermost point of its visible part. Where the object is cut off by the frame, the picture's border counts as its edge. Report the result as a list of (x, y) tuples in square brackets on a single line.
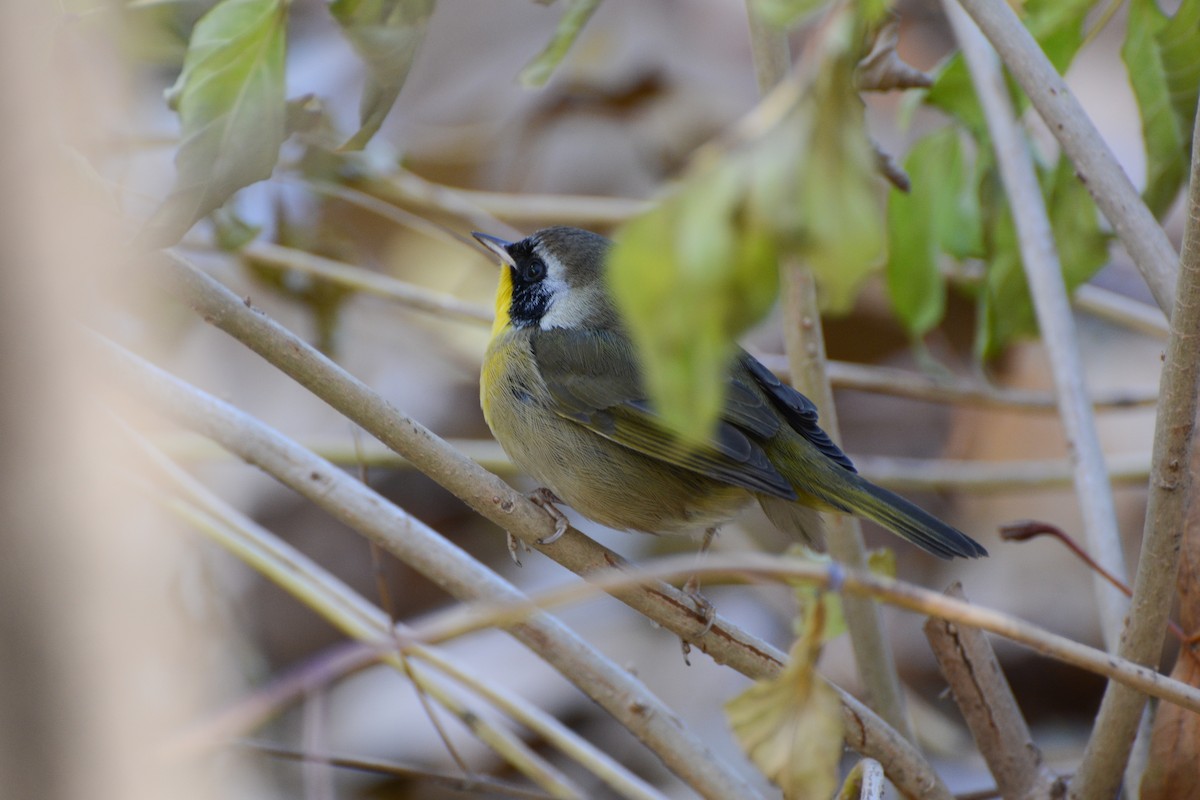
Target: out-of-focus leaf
[(1162, 56), (233, 232), (881, 561), (939, 213), (385, 34), (842, 234), (809, 595), (1075, 223), (230, 99), (790, 726), (538, 71), (1007, 309), (786, 13), (690, 276), (695, 272)]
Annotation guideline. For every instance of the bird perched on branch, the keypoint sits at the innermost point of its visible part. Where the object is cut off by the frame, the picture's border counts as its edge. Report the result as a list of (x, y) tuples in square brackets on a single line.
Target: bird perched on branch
[(562, 391)]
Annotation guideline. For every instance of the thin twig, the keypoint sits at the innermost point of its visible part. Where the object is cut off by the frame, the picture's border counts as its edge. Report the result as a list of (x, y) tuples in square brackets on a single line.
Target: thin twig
[(357, 506), (478, 206), (911, 474), (1030, 529), (805, 346), (987, 704), (1107, 751), (495, 500), (920, 386), (1121, 310), (1040, 261), (421, 775), (378, 637), (1141, 235), (366, 281), (341, 610), (463, 619)]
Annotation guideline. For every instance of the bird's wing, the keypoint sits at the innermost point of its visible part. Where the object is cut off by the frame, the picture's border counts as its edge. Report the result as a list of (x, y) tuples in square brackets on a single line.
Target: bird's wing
[(593, 380), (798, 410)]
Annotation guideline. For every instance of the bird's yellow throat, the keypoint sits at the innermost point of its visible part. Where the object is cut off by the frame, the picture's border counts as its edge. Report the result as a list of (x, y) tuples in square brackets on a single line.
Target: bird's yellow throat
[(503, 300)]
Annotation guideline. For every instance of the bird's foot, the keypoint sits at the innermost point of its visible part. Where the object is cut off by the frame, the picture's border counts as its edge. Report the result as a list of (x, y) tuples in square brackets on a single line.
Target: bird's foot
[(704, 608), (544, 498)]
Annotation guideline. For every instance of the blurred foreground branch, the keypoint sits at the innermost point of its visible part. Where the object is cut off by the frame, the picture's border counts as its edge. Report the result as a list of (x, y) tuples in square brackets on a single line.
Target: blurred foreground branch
[(357, 506)]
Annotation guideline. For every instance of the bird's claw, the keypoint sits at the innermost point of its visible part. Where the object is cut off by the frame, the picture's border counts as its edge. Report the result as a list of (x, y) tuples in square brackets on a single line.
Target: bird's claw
[(545, 499), (515, 546)]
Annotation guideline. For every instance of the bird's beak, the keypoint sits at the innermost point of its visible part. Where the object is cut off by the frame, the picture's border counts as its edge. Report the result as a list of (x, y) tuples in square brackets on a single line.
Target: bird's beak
[(496, 245)]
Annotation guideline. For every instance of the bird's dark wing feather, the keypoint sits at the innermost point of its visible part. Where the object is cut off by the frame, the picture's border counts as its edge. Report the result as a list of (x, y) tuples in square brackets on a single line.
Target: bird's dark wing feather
[(593, 380), (798, 410)]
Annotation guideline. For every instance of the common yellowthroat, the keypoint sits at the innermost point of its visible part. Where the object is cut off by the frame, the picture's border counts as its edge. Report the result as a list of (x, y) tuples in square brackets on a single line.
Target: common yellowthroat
[(562, 391)]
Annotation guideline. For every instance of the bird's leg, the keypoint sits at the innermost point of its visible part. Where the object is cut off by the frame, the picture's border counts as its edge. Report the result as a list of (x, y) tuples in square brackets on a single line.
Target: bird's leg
[(546, 499), (707, 611)]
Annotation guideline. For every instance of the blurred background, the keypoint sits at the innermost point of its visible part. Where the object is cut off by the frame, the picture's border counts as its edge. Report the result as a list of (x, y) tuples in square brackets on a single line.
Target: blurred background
[(194, 632)]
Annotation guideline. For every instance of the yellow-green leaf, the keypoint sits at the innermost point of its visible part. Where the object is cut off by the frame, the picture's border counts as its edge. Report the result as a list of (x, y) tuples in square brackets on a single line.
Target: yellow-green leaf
[(231, 103), (385, 34), (839, 208), (790, 726), (1162, 56), (939, 213), (539, 70), (689, 277)]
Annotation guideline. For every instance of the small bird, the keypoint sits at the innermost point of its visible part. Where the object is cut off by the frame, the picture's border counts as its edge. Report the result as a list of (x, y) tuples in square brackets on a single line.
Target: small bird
[(563, 393)]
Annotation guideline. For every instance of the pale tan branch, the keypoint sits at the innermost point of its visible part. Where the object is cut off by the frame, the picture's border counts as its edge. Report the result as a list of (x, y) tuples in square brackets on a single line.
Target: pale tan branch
[(983, 695)]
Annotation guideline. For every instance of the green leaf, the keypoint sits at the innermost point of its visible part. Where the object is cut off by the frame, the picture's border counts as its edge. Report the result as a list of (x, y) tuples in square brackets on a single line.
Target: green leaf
[(1162, 56), (230, 99), (1006, 310), (791, 726), (538, 71), (690, 276), (940, 213), (842, 235), (385, 34)]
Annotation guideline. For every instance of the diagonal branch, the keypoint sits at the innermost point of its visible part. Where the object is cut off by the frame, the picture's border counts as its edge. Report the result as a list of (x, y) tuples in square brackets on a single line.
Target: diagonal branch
[(1141, 235), (1108, 750), (359, 507), (1044, 273)]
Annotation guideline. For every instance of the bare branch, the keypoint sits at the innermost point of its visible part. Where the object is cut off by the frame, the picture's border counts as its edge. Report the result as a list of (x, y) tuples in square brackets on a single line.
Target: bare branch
[(1095, 164), (1103, 763), (364, 280), (1044, 274), (987, 704)]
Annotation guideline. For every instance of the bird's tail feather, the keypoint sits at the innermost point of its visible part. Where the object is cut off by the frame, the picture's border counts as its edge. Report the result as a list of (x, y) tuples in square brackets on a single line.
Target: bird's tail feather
[(854, 494), (911, 522)]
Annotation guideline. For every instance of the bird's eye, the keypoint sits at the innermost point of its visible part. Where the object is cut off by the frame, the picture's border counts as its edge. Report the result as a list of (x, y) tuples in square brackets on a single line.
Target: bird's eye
[(535, 270)]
